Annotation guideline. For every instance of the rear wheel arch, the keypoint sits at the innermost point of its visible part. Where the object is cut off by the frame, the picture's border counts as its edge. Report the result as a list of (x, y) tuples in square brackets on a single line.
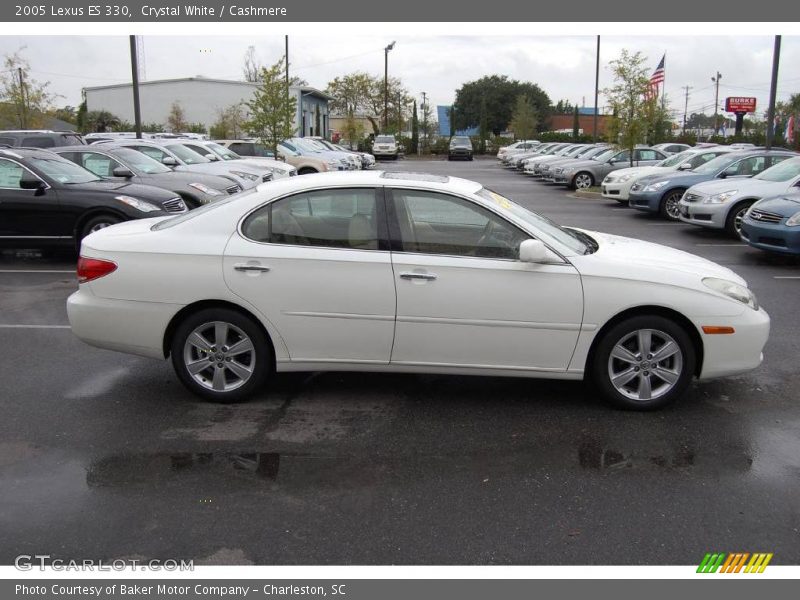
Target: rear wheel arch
[(645, 311), (193, 308), (90, 214)]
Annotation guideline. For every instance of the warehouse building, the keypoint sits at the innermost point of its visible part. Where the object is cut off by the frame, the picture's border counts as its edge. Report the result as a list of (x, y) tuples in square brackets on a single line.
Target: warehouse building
[(202, 99)]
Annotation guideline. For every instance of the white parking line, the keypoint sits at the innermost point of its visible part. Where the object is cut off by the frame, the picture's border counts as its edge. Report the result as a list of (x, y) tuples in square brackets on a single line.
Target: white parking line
[(786, 277), (35, 271), (722, 245), (3, 326)]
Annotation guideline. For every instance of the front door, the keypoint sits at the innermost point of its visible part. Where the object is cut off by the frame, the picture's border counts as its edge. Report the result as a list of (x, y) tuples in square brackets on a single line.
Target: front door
[(317, 266), (463, 297), (27, 213)]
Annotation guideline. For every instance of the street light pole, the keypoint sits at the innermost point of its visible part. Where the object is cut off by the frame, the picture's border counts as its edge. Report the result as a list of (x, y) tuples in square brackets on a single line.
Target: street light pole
[(686, 107), (776, 59), (137, 113), (386, 86), (716, 101), (596, 87)]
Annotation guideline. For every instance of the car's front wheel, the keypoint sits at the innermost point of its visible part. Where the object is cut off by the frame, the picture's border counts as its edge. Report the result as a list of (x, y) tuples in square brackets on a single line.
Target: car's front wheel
[(733, 224), (582, 181), (644, 363), (97, 223), (221, 355), (670, 205)]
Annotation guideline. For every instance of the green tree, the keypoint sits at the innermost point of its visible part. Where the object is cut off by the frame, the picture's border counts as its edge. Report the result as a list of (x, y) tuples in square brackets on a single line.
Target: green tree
[(353, 130), (500, 95), (629, 100), (252, 69), (524, 119), (101, 121), (272, 110), (24, 101), (80, 116), (363, 93), (414, 130), (197, 128), (69, 114), (176, 120), (230, 122)]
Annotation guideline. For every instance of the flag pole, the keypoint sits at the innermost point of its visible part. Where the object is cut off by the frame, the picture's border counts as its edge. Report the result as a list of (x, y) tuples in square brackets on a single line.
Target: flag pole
[(664, 85)]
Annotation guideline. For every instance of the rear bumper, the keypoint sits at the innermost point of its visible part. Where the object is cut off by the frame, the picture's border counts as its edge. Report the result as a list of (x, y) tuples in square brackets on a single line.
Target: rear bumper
[(122, 325), (772, 238), (736, 353)]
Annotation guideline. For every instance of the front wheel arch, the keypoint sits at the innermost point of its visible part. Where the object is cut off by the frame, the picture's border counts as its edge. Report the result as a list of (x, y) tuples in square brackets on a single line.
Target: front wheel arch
[(644, 311), (734, 209), (190, 309), (573, 184)]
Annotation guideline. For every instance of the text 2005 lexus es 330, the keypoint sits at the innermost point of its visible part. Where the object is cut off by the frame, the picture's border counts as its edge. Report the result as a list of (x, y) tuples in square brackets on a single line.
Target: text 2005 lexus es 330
[(371, 271)]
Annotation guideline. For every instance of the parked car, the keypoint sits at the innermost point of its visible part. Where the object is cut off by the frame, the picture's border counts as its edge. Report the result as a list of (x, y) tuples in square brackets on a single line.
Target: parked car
[(48, 200), (617, 184), (39, 138), (515, 161), (385, 146), (213, 151), (546, 170), (773, 224), (364, 160), (334, 160), (304, 164), (109, 161), (252, 172), (460, 147), (722, 203), (583, 174), (350, 160), (296, 276), (670, 148), (662, 193), (520, 146), (533, 166), (179, 158)]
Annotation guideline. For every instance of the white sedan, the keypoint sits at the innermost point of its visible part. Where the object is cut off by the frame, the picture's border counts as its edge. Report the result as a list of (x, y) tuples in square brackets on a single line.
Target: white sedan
[(373, 271)]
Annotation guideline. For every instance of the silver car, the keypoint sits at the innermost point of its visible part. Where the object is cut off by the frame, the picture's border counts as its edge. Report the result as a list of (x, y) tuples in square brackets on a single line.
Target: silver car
[(584, 174)]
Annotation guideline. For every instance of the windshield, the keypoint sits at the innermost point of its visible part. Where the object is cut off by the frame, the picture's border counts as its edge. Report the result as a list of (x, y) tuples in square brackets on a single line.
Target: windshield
[(307, 145), (223, 152), (288, 149), (604, 155), (783, 171), (676, 160), (460, 140), (716, 165), (63, 170), (384, 139), (190, 157), (140, 162), (573, 240)]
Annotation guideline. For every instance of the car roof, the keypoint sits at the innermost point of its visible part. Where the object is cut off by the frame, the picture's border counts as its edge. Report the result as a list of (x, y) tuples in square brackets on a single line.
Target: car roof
[(21, 153)]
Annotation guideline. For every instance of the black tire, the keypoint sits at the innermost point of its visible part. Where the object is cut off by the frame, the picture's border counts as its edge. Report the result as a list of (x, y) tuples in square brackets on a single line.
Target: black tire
[(668, 207), (624, 202), (578, 181), (449, 158), (470, 158), (733, 222), (680, 366), (259, 360), (98, 222), (307, 171)]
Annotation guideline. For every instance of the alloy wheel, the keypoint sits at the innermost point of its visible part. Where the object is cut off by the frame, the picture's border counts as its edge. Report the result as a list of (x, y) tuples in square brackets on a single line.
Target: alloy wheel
[(219, 356), (583, 181), (672, 205), (645, 364)]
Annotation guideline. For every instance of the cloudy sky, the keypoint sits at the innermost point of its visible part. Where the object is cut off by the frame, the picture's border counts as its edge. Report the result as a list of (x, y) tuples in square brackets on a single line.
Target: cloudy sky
[(563, 66)]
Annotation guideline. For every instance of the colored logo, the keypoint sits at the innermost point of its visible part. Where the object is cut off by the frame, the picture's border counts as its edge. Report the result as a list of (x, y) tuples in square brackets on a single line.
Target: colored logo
[(735, 562)]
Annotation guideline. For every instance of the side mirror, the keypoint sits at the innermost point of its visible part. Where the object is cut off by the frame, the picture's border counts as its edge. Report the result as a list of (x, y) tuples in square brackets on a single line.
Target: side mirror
[(685, 167), (532, 251), (169, 161), (31, 182), (212, 157), (122, 172)]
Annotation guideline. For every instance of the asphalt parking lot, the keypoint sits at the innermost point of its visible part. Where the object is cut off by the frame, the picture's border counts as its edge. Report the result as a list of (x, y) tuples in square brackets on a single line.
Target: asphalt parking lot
[(104, 455)]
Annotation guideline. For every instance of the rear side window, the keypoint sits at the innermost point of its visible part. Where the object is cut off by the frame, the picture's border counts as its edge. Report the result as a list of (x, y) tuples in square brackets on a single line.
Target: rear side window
[(344, 218), (7, 141), (38, 142)]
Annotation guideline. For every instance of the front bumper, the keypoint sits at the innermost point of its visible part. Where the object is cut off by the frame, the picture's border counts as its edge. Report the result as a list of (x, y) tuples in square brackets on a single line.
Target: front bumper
[(771, 237), (705, 215), (646, 201), (735, 353), (616, 190)]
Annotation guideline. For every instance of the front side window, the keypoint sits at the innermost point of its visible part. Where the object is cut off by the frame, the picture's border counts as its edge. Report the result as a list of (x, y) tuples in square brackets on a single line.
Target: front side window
[(747, 167), (99, 164), (153, 152), (648, 155), (336, 218), (38, 142), (10, 174), (432, 223), (190, 157)]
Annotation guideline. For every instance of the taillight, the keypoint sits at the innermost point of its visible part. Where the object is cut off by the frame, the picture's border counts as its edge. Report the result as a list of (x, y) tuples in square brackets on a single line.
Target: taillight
[(94, 268)]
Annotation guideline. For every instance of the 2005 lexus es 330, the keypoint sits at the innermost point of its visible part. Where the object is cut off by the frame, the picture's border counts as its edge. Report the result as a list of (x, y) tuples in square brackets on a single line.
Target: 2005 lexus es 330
[(372, 271)]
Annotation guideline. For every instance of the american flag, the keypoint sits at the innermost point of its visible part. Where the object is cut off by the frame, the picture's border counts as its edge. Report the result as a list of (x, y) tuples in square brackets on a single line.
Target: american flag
[(656, 79)]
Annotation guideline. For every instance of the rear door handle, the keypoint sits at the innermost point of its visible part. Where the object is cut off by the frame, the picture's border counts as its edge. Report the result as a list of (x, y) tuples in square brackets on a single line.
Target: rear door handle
[(425, 276), (246, 267)]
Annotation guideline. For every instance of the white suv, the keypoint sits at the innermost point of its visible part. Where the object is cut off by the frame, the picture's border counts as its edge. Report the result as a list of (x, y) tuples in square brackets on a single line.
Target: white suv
[(385, 146)]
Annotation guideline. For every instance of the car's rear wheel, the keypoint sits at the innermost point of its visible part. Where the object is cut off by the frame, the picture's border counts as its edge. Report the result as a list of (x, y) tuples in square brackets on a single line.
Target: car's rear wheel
[(307, 171), (97, 223), (733, 224), (582, 181), (221, 355), (670, 205), (644, 363)]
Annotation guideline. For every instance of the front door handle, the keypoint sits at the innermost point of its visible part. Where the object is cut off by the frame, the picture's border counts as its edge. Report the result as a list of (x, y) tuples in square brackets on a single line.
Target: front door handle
[(246, 267), (425, 276)]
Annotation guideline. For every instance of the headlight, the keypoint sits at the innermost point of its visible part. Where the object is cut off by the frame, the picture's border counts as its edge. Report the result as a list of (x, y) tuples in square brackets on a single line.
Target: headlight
[(205, 189), (625, 178), (732, 290), (140, 205), (720, 198), (654, 187), (794, 220), (248, 176)]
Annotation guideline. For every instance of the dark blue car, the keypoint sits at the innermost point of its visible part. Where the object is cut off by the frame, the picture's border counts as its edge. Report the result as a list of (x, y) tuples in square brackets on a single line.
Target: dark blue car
[(662, 193), (773, 224)]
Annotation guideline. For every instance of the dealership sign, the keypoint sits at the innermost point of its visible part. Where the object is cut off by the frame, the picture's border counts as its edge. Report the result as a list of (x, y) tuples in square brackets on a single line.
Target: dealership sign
[(738, 104)]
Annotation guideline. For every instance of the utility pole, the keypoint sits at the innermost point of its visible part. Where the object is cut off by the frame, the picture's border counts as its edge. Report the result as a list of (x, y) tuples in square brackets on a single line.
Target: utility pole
[(716, 100), (685, 106), (425, 120), (23, 111), (776, 59), (137, 114), (386, 86), (596, 86)]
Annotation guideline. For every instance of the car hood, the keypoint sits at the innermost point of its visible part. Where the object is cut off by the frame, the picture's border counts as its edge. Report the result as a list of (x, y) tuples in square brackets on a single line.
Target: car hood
[(137, 190), (629, 258), (641, 171), (786, 205), (176, 179), (685, 178), (717, 186)]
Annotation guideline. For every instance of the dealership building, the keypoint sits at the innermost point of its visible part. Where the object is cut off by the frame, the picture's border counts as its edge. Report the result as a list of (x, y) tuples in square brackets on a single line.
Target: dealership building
[(202, 99)]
